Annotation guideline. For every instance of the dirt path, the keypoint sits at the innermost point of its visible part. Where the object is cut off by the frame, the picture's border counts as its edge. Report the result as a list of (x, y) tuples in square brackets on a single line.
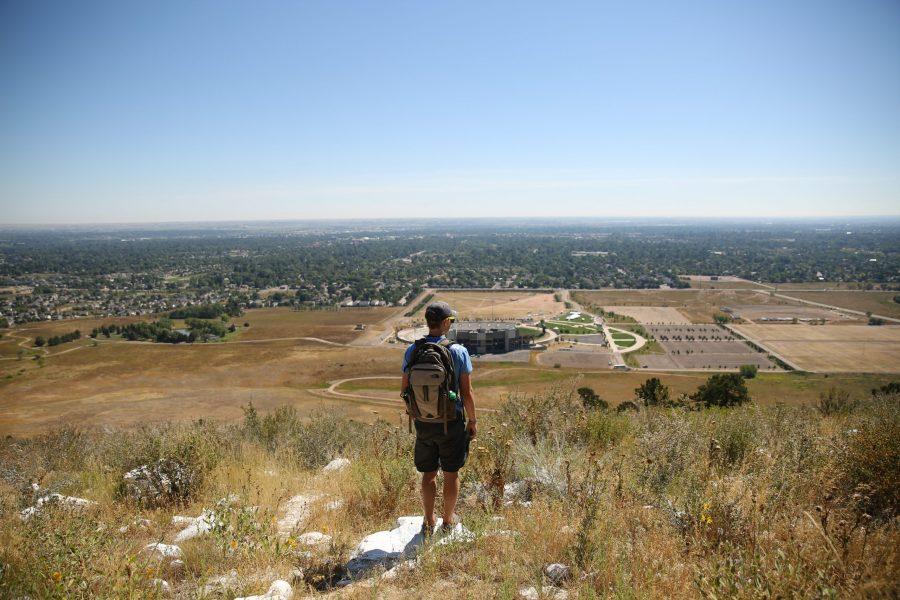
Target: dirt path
[(332, 391)]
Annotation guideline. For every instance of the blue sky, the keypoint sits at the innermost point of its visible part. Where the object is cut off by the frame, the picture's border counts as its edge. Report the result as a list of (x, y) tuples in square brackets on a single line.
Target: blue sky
[(172, 111)]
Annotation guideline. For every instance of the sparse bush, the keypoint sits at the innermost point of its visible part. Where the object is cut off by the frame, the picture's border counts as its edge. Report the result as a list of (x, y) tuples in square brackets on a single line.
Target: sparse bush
[(835, 402), (868, 459)]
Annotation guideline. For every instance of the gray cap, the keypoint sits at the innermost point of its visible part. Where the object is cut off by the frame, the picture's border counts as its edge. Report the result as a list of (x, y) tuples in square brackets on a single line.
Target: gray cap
[(438, 311)]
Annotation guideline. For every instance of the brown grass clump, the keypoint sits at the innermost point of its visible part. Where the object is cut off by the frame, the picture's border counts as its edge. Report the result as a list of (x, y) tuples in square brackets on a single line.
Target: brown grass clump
[(746, 502)]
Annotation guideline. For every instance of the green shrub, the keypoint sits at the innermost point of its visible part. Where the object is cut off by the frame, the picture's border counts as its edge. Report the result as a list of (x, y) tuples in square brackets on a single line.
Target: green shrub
[(722, 389), (749, 371), (653, 392)]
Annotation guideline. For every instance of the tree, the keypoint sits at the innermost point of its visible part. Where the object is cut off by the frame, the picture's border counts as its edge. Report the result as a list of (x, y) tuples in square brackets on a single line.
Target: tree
[(722, 389), (749, 371), (39, 341), (591, 400), (652, 392)]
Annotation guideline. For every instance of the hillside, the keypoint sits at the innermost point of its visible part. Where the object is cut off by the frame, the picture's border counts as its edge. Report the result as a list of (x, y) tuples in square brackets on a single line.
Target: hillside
[(754, 501)]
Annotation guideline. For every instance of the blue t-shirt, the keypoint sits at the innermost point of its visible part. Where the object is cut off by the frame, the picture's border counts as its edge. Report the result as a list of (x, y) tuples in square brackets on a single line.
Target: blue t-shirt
[(462, 363)]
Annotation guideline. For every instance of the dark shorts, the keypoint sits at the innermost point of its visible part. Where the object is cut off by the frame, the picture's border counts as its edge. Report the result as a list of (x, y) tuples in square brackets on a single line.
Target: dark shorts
[(436, 449)]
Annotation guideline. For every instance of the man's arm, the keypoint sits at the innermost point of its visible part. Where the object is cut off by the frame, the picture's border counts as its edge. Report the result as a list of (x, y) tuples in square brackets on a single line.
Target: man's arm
[(465, 388)]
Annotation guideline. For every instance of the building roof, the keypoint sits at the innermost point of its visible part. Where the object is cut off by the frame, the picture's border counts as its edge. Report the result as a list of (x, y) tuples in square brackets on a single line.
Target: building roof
[(484, 325)]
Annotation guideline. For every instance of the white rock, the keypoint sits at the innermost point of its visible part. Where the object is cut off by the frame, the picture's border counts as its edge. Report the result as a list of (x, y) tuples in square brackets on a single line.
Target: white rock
[(314, 538), (202, 524), (392, 573), (385, 548), (161, 585), (279, 590), (221, 583), (69, 502), (182, 520), (338, 464), (547, 592), (297, 511), (163, 551), (335, 504)]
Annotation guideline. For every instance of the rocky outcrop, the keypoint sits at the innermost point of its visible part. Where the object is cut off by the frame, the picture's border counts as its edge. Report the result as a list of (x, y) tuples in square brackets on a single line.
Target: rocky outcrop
[(164, 482)]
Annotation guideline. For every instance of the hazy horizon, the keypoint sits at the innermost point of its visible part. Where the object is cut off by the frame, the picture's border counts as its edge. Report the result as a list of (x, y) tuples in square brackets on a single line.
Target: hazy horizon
[(166, 112)]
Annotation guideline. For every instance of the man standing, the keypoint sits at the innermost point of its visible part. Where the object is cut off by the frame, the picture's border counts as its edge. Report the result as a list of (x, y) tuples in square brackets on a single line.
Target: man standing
[(443, 446)]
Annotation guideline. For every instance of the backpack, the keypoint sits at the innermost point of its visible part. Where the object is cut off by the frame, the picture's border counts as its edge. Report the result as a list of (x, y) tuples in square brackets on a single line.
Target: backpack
[(431, 379)]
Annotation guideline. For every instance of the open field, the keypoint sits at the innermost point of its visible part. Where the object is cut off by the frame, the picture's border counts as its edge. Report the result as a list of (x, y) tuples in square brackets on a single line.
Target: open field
[(698, 306), (333, 325), (763, 312), (494, 383), (819, 285), (832, 348), (880, 303), (724, 282), (491, 304), (125, 383), (650, 314)]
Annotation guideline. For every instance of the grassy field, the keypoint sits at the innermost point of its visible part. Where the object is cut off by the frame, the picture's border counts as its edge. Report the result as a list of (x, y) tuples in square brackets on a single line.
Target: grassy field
[(751, 502), (490, 304), (880, 303), (698, 306)]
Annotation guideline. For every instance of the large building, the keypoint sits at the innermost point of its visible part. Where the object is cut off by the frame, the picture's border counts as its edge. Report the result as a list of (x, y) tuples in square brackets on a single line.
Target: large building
[(488, 337)]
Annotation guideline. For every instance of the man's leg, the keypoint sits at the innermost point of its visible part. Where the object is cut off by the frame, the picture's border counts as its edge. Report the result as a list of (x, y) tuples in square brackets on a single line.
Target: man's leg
[(451, 493), (429, 491)]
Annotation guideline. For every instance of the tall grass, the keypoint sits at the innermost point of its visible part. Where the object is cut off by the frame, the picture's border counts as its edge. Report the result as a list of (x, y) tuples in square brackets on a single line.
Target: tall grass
[(749, 502)]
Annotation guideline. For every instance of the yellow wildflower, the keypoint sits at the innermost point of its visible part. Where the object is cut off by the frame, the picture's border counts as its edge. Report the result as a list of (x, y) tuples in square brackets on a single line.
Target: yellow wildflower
[(57, 576)]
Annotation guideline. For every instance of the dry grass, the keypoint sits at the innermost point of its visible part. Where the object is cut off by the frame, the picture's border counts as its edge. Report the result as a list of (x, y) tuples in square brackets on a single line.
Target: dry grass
[(832, 348), (880, 303), (697, 305), (754, 502), (501, 304)]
